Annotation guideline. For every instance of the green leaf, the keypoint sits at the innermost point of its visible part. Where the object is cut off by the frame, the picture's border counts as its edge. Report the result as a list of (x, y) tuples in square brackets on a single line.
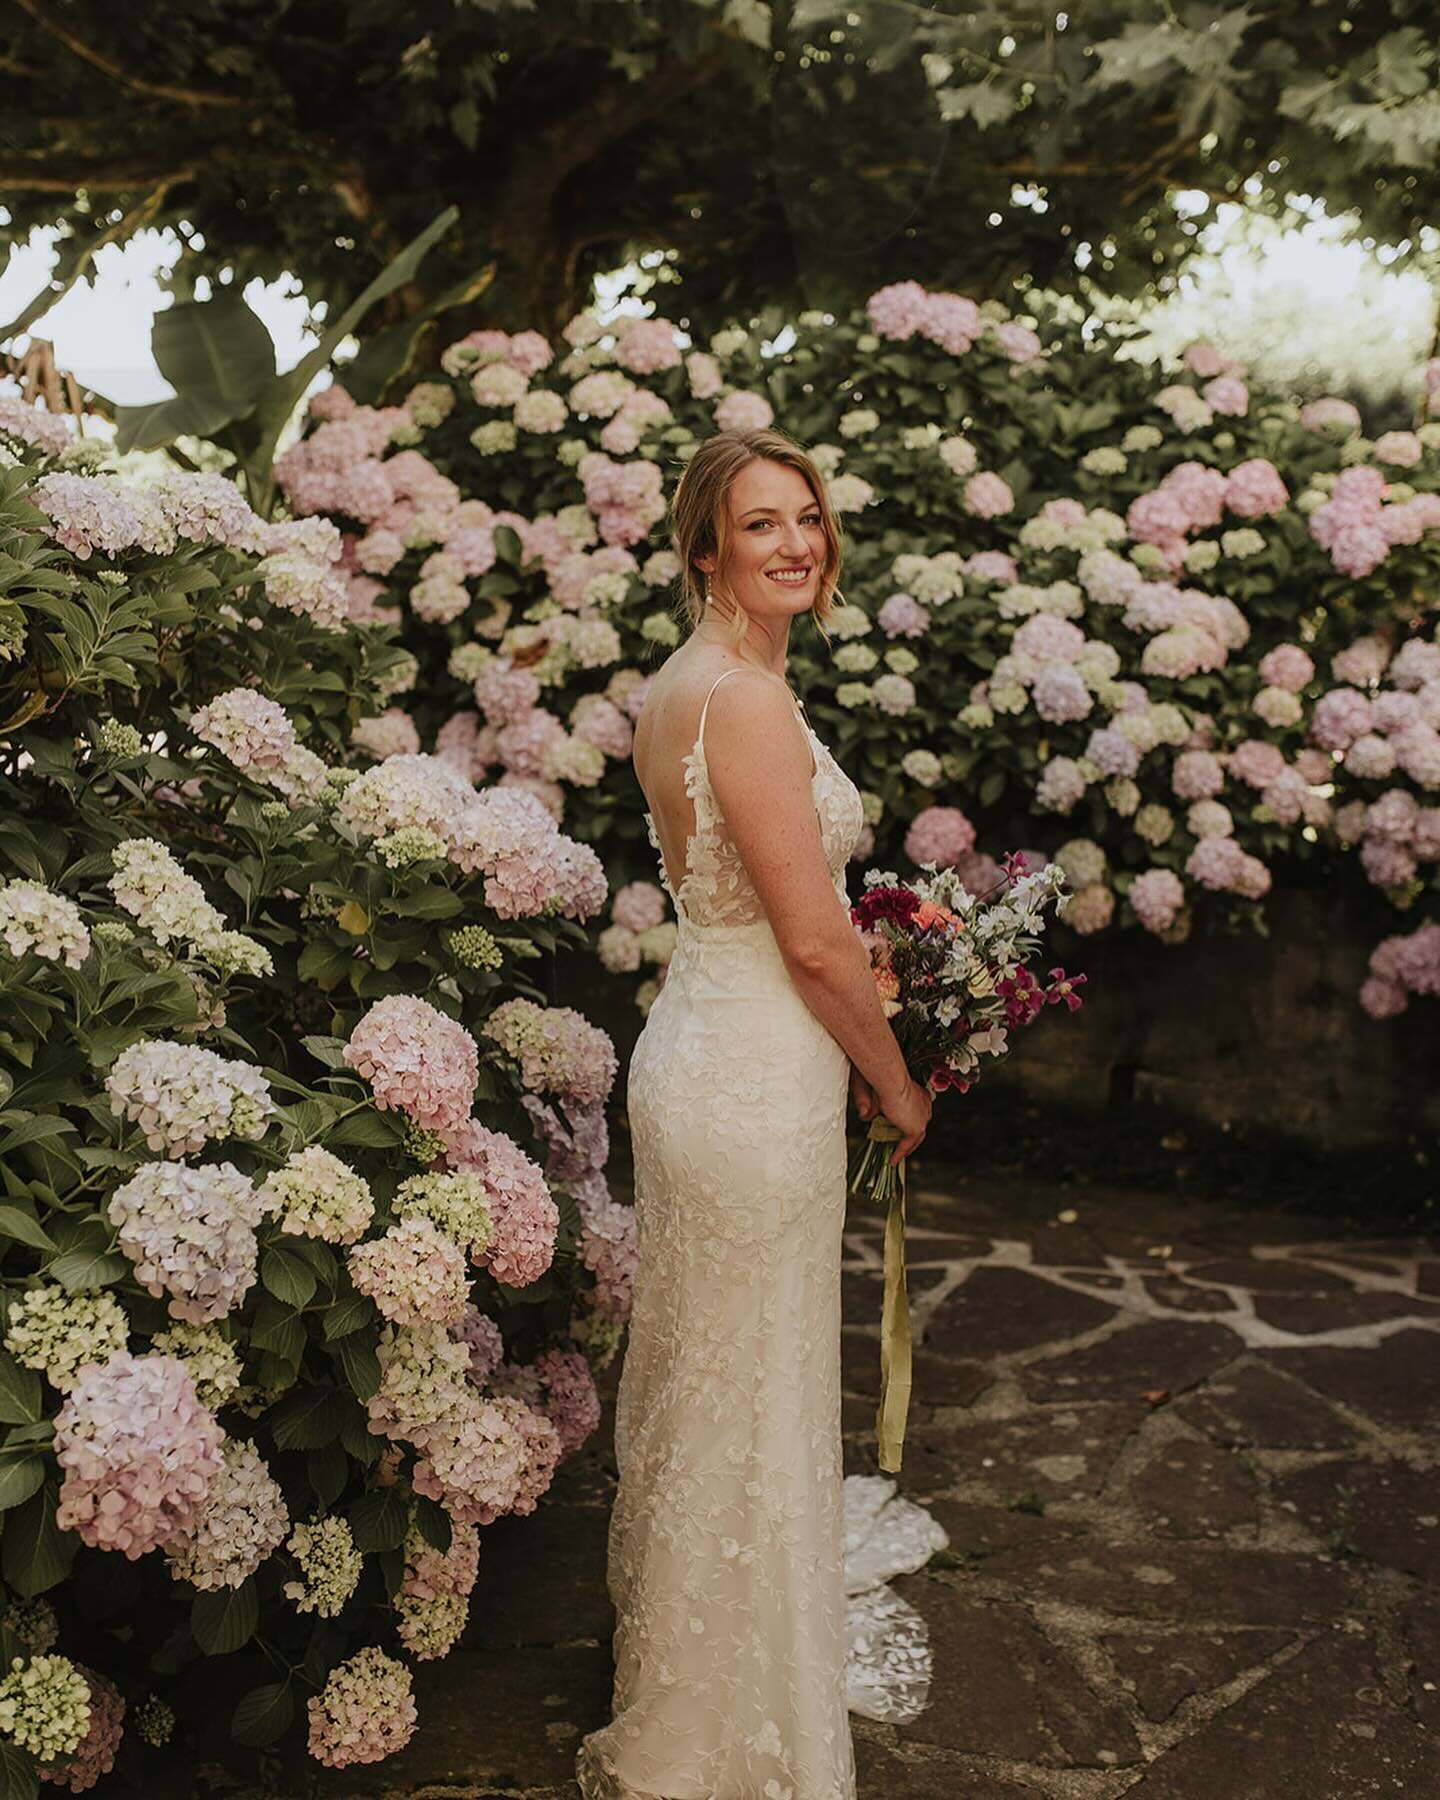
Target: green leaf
[(379, 1518), (328, 1470), (288, 1276), (19, 1392), (263, 1715), (309, 1418), (35, 1554), (351, 1312), (216, 353), (23, 1229), (366, 1128), (328, 1050), (18, 1780), (20, 1476), (356, 1356), (433, 1523), (80, 1270), (224, 1620)]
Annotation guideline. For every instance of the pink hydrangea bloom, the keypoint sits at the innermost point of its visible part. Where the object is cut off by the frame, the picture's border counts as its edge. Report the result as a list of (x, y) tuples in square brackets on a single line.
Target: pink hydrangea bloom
[(190, 1232), (988, 496), (413, 1274), (1226, 395), (1220, 864), (638, 905), (1286, 666), (1254, 489), (1255, 762), (571, 1402), (1402, 448), (647, 347), (902, 615), (364, 1713), (939, 835), (899, 310), (1018, 342), (744, 411), (96, 1753), (523, 1217), (416, 1059), (481, 1336), (1156, 896), (138, 1451), (1340, 717), (609, 1249), (992, 565)]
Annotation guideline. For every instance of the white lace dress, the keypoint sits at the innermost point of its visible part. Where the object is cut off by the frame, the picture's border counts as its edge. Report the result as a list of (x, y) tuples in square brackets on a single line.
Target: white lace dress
[(727, 1539)]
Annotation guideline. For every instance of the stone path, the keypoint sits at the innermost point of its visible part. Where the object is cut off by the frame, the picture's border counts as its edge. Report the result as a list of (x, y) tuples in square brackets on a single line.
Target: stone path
[(1189, 1463)]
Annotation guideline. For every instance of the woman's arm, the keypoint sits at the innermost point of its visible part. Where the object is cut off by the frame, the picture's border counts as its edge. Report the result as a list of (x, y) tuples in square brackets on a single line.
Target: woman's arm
[(759, 761)]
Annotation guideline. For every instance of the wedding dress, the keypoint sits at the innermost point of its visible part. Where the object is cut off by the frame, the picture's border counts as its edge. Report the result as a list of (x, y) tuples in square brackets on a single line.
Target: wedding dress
[(727, 1538)]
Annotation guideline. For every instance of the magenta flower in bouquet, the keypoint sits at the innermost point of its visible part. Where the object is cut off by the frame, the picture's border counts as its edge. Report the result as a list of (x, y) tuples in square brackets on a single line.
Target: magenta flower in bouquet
[(950, 970)]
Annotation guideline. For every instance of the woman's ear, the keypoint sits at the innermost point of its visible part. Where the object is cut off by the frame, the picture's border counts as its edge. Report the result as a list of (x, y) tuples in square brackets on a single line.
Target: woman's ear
[(705, 564)]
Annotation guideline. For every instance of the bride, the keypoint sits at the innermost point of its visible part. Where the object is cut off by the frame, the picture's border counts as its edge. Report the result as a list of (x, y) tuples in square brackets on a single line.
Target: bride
[(726, 1539)]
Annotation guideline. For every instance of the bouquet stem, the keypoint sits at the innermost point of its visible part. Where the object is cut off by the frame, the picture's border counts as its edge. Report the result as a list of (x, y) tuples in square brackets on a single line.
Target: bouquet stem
[(884, 1183)]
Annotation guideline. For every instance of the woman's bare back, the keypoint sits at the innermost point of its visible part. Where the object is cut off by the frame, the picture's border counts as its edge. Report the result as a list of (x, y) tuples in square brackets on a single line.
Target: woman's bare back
[(665, 734)]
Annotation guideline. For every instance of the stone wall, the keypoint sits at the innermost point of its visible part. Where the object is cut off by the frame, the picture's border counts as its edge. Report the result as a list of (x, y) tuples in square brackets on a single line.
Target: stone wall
[(1257, 1031)]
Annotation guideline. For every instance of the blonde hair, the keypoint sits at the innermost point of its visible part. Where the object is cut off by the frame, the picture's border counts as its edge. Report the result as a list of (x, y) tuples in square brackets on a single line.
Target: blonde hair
[(700, 517)]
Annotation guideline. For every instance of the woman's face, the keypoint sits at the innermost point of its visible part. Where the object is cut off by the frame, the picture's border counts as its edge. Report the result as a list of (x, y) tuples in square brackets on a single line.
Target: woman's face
[(777, 544)]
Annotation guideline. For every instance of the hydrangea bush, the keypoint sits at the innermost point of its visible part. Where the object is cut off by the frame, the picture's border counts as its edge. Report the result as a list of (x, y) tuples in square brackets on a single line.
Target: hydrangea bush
[(304, 1283), (1176, 632)]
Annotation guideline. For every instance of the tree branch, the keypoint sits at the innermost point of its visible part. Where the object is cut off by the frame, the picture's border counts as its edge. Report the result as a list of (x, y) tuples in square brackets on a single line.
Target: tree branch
[(158, 90), (99, 178)]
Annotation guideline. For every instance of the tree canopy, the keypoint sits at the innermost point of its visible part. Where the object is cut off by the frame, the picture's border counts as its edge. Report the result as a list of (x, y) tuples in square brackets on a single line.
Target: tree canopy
[(797, 154)]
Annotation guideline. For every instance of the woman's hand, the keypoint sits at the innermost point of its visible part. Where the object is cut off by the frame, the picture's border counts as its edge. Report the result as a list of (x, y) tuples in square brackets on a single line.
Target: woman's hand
[(863, 1095), (909, 1111)]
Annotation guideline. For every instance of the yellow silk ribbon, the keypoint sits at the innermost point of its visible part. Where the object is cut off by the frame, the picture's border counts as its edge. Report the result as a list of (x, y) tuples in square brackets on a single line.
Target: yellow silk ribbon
[(890, 1415)]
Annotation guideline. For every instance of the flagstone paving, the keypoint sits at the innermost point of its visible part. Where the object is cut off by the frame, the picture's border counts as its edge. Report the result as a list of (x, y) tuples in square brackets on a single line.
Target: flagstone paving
[(1188, 1458)]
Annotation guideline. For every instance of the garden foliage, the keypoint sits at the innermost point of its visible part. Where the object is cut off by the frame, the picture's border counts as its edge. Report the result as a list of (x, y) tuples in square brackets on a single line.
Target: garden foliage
[(307, 1251)]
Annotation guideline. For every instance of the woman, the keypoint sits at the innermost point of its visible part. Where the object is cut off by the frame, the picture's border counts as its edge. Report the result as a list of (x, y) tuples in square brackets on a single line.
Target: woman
[(726, 1542)]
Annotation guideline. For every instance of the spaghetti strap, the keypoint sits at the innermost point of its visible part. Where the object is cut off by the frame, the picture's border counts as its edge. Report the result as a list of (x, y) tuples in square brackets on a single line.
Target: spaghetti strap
[(700, 735)]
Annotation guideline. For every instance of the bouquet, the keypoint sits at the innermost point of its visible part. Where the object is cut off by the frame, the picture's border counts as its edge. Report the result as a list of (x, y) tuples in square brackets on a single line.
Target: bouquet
[(950, 970)]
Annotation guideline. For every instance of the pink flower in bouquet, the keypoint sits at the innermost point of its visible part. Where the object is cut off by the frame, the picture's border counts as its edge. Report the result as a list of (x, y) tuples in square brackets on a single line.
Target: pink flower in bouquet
[(416, 1059), (939, 834)]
